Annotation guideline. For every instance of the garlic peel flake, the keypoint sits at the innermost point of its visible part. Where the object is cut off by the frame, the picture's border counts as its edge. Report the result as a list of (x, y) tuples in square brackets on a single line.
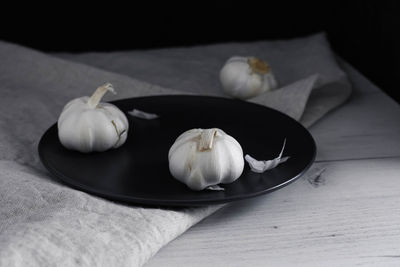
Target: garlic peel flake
[(215, 188), (260, 166), (143, 115)]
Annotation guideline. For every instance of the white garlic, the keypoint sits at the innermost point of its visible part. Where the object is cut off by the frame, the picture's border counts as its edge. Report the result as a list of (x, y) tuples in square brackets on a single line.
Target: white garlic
[(246, 77), (260, 166), (201, 158), (87, 125)]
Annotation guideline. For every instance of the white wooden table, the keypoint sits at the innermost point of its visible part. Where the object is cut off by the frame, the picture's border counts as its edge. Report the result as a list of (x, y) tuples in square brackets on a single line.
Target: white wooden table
[(344, 212)]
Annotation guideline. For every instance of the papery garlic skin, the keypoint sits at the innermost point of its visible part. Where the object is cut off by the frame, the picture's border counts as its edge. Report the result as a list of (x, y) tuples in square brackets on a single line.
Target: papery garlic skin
[(205, 157), (246, 77), (260, 166), (88, 125)]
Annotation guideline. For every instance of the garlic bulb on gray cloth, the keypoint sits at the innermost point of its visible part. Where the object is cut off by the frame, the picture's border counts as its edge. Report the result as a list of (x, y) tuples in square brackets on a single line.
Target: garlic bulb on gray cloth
[(246, 77)]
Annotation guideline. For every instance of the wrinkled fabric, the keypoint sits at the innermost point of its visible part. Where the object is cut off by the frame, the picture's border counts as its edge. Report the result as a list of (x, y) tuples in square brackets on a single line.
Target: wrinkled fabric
[(310, 80), (45, 223)]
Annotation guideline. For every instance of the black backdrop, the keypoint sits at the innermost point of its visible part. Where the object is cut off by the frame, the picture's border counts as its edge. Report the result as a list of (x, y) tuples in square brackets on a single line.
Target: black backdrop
[(365, 33)]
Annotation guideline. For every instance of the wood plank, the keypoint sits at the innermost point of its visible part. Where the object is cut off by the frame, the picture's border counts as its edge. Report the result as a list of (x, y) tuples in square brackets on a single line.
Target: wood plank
[(367, 127), (344, 212), (347, 215)]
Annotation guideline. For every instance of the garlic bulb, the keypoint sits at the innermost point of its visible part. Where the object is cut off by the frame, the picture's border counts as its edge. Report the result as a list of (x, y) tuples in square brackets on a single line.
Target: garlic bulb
[(246, 77), (87, 125), (205, 157)]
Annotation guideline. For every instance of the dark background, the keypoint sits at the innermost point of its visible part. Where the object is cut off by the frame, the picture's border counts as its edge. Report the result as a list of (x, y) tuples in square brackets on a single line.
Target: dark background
[(365, 33)]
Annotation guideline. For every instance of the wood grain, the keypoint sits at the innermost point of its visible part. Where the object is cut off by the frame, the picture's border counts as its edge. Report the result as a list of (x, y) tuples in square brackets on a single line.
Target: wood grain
[(344, 212), (352, 218), (367, 127)]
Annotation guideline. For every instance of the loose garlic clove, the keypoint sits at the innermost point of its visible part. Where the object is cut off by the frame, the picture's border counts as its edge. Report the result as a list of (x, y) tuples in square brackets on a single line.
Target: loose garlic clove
[(260, 166), (203, 158), (246, 77), (87, 125)]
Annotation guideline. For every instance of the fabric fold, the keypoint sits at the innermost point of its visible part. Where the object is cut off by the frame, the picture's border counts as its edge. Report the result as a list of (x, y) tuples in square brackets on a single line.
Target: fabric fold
[(283, 98), (45, 223), (196, 70)]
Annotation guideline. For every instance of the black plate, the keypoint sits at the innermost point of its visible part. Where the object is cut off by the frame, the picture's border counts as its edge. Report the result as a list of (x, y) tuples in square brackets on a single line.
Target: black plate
[(138, 171)]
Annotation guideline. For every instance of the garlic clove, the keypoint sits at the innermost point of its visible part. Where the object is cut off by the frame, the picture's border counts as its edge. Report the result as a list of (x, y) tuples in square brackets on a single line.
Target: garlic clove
[(260, 166)]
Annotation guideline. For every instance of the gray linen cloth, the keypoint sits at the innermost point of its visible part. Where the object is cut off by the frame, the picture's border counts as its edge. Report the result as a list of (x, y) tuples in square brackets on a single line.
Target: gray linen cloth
[(45, 223), (302, 67)]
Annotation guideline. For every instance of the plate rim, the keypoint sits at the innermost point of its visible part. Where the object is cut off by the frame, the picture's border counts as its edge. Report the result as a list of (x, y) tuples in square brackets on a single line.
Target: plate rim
[(131, 200)]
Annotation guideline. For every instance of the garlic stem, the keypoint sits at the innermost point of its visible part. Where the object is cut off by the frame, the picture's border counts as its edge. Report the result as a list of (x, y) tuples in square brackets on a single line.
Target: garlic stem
[(258, 66), (207, 139), (94, 100)]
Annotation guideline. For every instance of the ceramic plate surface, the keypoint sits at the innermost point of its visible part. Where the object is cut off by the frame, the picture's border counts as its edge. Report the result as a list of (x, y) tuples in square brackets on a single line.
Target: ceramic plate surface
[(138, 171)]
